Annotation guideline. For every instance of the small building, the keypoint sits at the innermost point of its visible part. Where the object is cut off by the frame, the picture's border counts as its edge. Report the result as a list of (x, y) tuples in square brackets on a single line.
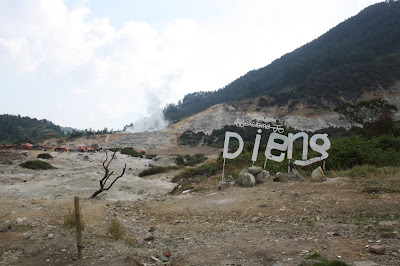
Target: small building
[(26, 146), (47, 148)]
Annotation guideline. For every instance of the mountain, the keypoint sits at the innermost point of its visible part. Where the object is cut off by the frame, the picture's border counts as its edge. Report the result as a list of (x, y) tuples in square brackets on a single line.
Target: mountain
[(17, 129), (358, 56)]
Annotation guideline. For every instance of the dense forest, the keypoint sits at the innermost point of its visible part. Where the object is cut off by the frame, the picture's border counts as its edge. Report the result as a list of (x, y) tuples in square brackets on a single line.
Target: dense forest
[(360, 54), (17, 129)]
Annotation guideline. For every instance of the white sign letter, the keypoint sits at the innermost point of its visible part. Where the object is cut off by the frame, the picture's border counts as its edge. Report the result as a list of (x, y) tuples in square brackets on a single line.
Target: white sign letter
[(292, 138), (228, 135), (273, 145)]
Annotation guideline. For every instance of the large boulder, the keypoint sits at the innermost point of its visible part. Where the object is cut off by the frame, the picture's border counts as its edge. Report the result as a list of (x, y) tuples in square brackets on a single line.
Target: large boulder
[(318, 175), (255, 170), (241, 175), (248, 180), (261, 177)]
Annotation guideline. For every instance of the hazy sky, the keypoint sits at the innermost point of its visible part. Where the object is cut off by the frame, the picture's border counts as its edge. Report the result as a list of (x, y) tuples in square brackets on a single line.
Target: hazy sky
[(104, 63)]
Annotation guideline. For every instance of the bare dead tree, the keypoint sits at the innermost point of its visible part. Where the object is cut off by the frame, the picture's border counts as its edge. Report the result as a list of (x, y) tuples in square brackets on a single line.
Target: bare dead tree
[(107, 176)]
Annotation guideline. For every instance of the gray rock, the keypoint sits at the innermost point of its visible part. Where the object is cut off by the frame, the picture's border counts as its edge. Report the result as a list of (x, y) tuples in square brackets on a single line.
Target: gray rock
[(256, 219), (281, 177), (223, 185), (248, 180), (255, 170), (229, 180), (318, 175), (377, 249), (241, 175), (293, 176), (261, 177), (149, 237), (50, 236), (296, 176)]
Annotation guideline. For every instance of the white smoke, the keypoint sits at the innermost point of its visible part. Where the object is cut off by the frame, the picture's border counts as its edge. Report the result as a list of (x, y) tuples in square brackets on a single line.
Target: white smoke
[(154, 122)]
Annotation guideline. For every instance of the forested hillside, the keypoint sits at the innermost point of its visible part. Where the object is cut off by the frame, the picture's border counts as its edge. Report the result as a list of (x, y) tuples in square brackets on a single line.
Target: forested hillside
[(360, 54), (17, 129)]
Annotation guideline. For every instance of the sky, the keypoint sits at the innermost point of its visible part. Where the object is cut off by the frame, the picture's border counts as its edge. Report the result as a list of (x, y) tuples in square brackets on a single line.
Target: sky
[(100, 63)]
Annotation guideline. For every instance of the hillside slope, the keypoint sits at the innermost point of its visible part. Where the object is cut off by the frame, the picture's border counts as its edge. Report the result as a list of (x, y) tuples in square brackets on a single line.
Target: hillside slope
[(17, 129), (361, 54), (300, 117)]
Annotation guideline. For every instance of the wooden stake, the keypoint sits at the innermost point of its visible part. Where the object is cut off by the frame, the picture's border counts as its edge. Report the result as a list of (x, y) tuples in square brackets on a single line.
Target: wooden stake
[(78, 228), (223, 171)]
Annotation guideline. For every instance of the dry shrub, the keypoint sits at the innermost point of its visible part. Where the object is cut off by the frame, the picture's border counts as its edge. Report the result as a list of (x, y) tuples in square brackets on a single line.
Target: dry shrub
[(69, 219), (115, 230)]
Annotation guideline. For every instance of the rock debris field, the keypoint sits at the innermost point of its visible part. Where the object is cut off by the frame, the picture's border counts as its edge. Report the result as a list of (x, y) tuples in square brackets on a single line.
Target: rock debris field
[(272, 223)]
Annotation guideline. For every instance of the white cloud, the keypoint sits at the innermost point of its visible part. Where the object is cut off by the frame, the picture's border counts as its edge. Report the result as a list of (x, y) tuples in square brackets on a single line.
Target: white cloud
[(79, 91)]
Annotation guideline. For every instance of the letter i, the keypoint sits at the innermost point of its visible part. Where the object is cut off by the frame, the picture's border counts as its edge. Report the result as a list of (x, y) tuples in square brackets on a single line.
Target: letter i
[(256, 146)]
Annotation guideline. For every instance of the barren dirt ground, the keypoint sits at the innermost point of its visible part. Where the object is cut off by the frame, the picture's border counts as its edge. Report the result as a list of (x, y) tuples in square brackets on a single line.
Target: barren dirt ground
[(269, 224)]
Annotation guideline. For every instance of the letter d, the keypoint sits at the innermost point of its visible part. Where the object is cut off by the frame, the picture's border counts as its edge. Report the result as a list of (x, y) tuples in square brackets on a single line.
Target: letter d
[(228, 155)]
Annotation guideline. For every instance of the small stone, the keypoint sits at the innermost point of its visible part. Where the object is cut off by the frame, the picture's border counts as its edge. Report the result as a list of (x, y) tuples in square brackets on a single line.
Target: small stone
[(223, 185), (167, 253), (229, 179), (149, 237), (256, 219), (377, 249), (50, 236)]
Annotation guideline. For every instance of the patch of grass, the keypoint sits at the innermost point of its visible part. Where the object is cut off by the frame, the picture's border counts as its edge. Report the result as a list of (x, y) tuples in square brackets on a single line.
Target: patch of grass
[(131, 152), (385, 229), (321, 261), (373, 179), (115, 230), (388, 235), (206, 170), (131, 241), (37, 165), (157, 169), (191, 138), (188, 160), (69, 219), (44, 156)]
